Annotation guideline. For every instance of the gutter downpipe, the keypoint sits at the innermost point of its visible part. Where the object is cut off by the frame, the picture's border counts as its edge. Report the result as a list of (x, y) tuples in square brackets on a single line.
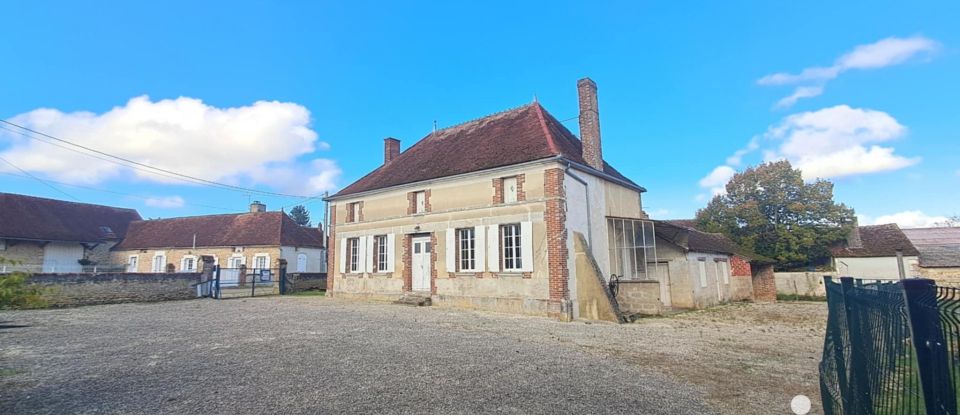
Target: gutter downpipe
[(586, 194)]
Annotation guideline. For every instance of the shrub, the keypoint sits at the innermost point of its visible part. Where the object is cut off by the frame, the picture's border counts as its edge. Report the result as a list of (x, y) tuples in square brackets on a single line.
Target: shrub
[(15, 293)]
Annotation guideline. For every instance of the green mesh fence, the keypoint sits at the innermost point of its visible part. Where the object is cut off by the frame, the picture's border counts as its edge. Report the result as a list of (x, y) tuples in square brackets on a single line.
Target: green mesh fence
[(890, 348)]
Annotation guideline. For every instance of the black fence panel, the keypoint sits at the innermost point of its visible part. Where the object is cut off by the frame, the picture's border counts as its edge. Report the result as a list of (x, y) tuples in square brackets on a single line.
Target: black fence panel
[(890, 348)]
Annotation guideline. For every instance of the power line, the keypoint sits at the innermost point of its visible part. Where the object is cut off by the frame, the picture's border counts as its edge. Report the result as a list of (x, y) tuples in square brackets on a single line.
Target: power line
[(97, 189), (39, 180), (134, 164)]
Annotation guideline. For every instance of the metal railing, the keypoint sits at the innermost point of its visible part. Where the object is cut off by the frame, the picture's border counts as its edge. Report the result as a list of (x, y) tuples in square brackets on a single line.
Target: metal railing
[(243, 282), (891, 347)]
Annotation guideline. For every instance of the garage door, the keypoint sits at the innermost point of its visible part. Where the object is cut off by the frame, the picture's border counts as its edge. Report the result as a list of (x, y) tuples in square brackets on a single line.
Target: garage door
[(62, 257)]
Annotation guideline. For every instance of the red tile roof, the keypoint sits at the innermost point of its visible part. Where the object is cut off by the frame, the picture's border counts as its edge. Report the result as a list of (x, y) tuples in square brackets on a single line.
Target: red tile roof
[(875, 241), (242, 229), (683, 233), (511, 137), (37, 218)]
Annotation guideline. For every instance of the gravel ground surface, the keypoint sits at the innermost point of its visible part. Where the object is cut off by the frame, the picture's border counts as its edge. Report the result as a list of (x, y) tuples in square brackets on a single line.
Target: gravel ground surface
[(321, 355)]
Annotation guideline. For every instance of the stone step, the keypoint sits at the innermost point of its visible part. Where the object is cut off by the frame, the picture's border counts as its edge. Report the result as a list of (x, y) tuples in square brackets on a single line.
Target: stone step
[(419, 300)]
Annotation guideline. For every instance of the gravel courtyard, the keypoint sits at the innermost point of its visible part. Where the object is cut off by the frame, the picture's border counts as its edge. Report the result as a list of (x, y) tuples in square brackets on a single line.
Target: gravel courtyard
[(321, 355)]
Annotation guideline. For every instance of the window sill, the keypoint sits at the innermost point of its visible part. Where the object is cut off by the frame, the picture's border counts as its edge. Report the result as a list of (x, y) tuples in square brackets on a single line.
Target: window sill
[(467, 274), (382, 274), (510, 274)]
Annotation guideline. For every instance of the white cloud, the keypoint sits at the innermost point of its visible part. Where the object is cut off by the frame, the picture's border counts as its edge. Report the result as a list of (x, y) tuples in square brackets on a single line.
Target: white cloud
[(799, 93), (164, 202), (716, 181), (831, 142), (838, 141), (261, 143), (886, 52), (905, 219)]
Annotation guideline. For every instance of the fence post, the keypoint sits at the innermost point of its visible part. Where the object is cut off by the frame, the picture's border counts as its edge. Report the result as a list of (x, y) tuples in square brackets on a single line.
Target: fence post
[(216, 271), (859, 382), (835, 333), (929, 345), (283, 278)]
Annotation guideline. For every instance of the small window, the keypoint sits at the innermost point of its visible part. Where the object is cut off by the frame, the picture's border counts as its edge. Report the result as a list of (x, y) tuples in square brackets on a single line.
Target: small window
[(159, 263), (510, 245), (420, 200), (132, 263), (353, 253), (261, 261), (353, 212), (466, 249), (380, 253), (188, 264), (510, 190)]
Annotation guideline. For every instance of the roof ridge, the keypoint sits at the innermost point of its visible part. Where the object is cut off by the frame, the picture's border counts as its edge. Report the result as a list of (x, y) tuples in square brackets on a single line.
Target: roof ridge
[(205, 216), (464, 123), (67, 201)]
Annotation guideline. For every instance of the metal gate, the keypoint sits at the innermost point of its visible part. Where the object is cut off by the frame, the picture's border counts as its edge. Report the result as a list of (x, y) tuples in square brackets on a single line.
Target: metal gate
[(244, 282)]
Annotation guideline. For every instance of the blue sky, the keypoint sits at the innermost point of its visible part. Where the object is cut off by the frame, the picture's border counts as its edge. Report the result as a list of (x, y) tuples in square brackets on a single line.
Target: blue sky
[(296, 97)]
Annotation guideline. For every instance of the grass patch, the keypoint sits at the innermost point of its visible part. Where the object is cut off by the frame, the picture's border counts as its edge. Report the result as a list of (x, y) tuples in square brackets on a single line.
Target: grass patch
[(799, 297), (310, 293)]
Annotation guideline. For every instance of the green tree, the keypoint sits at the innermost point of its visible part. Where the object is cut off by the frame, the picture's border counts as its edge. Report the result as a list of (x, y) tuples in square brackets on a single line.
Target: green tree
[(772, 211), (300, 215), (16, 293)]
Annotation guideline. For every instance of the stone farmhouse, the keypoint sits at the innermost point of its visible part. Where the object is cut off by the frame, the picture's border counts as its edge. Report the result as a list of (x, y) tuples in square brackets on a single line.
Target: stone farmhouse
[(871, 252), (705, 269), (253, 241), (939, 250), (48, 235), (485, 215)]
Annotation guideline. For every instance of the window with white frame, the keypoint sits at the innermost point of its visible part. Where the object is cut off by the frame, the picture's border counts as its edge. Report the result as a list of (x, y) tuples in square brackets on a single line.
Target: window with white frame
[(633, 248), (509, 190), (188, 264), (353, 254), (511, 256), (261, 261), (380, 253), (132, 263), (420, 202), (702, 264), (467, 249), (159, 262)]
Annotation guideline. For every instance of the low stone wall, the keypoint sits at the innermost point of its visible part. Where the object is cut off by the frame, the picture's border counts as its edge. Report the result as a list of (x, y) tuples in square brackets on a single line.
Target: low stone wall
[(303, 281), (639, 297), (741, 288), (946, 276), (68, 290), (808, 284)]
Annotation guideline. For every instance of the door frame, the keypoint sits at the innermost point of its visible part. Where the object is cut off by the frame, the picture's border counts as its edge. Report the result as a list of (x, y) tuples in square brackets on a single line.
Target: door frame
[(427, 269)]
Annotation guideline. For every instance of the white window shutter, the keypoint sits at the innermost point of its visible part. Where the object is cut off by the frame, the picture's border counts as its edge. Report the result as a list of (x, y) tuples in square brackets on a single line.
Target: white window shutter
[(343, 255), (367, 257), (526, 246), (493, 248), (391, 243), (450, 250), (479, 239)]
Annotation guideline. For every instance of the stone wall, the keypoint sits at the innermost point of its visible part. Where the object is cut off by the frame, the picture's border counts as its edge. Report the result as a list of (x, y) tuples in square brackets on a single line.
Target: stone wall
[(741, 288), (308, 280), (801, 283), (639, 297), (67, 290), (950, 276)]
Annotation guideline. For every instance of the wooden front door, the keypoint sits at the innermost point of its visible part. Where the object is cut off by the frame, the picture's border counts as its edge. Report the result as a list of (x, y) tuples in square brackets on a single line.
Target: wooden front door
[(420, 264)]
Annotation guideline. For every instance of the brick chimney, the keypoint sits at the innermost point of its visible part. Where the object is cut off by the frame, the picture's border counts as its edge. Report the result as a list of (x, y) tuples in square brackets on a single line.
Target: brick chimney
[(391, 149), (256, 207), (590, 123)]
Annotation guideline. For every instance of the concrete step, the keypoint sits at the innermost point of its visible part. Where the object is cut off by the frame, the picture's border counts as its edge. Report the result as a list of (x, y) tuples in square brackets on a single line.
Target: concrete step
[(419, 300)]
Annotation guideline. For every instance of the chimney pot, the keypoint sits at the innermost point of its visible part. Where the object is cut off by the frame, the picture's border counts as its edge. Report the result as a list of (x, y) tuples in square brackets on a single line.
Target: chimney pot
[(391, 149), (256, 207), (590, 123)]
